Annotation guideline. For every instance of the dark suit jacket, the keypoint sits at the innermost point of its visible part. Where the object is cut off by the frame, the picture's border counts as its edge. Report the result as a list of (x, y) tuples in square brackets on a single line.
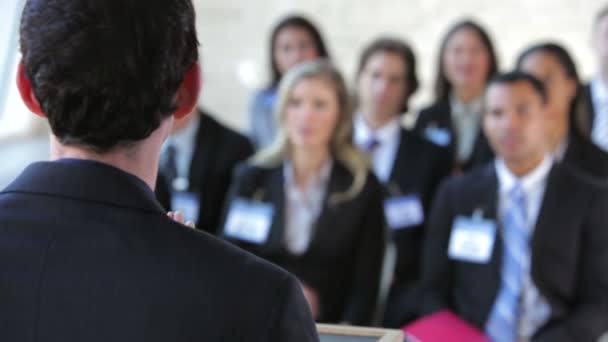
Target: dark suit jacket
[(587, 157), (586, 116), (88, 254), (569, 254), (344, 259), (217, 151), (418, 169), (440, 115)]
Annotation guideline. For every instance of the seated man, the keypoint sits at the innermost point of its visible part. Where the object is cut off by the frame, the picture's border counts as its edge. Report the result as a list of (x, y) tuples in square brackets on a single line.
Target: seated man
[(86, 251), (518, 247), (197, 164)]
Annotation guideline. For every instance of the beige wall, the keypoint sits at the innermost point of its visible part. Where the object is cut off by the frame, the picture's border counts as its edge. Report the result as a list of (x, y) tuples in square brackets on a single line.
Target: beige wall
[(234, 36)]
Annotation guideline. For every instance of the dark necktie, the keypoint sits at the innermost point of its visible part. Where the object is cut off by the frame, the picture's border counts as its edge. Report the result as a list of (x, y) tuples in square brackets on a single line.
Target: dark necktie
[(170, 168)]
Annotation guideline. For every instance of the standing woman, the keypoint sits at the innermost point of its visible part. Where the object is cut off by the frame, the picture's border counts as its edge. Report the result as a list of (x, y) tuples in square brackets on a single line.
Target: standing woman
[(553, 66), (309, 202), (294, 40), (466, 63)]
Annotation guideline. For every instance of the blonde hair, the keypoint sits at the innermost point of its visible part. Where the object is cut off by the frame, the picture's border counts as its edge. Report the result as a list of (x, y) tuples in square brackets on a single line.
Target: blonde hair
[(342, 147)]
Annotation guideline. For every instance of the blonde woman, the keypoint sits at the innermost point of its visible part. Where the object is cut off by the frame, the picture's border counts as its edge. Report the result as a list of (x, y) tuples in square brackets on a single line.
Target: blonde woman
[(309, 203)]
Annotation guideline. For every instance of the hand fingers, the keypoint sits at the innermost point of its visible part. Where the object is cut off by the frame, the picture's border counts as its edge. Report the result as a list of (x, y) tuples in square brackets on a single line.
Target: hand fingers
[(178, 217)]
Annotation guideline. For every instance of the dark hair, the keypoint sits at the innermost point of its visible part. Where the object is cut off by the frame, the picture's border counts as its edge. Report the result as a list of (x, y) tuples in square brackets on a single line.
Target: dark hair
[(561, 55), (293, 21), (106, 72), (601, 14), (520, 76), (404, 51), (442, 85)]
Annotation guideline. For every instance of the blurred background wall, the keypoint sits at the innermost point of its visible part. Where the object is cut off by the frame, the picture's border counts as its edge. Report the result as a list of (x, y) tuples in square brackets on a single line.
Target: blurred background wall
[(234, 37)]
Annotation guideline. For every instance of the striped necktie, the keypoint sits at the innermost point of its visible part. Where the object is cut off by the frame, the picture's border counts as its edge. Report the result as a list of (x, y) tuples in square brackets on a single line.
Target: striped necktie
[(503, 322), (372, 144)]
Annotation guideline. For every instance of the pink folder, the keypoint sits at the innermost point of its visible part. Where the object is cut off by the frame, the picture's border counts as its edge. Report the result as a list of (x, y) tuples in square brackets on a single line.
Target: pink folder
[(443, 326)]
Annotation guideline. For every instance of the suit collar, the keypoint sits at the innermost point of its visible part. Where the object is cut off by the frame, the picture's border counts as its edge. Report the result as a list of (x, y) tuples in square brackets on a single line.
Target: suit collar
[(86, 181), (339, 181), (203, 153), (408, 146)]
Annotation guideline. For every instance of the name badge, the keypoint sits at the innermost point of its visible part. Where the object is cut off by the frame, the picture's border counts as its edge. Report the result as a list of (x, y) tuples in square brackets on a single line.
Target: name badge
[(472, 239), (439, 136), (187, 203), (403, 212), (249, 221)]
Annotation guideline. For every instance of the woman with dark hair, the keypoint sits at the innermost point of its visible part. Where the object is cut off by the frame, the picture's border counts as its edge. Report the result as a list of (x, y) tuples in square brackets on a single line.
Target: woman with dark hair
[(407, 164), (466, 62), (553, 66), (293, 40)]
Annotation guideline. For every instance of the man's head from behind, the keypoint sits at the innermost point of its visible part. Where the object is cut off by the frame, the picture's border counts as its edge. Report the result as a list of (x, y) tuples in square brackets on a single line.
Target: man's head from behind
[(106, 73), (514, 119)]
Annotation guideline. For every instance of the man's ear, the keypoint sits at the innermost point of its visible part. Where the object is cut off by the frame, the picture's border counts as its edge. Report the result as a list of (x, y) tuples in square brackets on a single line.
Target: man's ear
[(188, 93), (27, 93)]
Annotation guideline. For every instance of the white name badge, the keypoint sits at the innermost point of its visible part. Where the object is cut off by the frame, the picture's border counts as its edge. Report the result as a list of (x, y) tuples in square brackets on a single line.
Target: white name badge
[(439, 136), (472, 239), (403, 212), (249, 221), (187, 203)]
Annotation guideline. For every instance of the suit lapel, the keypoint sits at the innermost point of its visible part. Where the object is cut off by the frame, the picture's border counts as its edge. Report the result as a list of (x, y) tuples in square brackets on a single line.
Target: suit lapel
[(586, 116), (488, 203), (339, 181), (400, 168), (275, 184), (557, 195), (203, 154)]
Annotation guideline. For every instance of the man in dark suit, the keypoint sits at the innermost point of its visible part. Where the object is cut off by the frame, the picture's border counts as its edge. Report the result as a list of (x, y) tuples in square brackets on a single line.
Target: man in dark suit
[(518, 248), (86, 252), (197, 163), (410, 166), (595, 94)]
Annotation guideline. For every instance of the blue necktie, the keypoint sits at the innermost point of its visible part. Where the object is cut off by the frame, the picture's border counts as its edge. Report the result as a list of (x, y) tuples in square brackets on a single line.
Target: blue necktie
[(372, 144), (502, 325)]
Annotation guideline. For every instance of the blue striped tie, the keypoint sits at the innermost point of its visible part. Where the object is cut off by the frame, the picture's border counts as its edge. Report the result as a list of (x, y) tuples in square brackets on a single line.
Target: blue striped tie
[(502, 325)]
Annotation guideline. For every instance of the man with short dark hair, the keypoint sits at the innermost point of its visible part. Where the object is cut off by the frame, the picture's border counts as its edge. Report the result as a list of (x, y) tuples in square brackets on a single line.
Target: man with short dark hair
[(518, 248), (86, 252)]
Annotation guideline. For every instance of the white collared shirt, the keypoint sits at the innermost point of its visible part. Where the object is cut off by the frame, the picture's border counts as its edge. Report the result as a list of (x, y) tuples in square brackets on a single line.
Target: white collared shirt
[(466, 120), (560, 150), (383, 157), (184, 142), (535, 308), (599, 99), (303, 207)]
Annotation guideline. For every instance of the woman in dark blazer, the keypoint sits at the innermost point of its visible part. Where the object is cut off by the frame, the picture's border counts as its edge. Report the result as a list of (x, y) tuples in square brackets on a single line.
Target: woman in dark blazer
[(309, 203), (554, 67), (294, 40), (466, 62)]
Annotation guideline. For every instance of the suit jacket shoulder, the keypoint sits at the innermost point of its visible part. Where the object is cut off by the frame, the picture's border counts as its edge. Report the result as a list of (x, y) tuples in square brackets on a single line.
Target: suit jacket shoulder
[(112, 246), (438, 114), (587, 157)]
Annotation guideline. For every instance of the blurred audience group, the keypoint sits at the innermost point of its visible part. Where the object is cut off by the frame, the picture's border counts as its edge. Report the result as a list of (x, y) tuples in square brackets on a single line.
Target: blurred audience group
[(494, 205), (382, 224)]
